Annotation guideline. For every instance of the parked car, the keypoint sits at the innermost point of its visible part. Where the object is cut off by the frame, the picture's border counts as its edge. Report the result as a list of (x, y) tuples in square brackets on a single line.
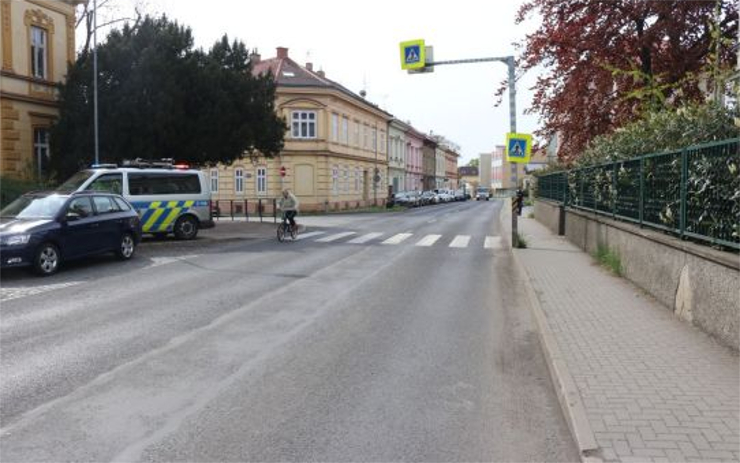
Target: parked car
[(460, 195), (414, 198), (429, 197), (179, 196), (482, 193), (43, 229), (398, 199)]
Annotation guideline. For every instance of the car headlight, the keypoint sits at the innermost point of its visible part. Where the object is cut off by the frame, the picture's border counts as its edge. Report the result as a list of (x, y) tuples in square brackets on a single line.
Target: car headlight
[(15, 240)]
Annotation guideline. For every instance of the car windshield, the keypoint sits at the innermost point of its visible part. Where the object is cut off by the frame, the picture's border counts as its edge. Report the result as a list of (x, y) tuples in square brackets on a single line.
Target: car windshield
[(34, 207), (75, 182)]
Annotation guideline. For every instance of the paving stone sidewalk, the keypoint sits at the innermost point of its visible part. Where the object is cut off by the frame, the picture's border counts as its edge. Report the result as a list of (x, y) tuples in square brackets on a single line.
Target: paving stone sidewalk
[(654, 388)]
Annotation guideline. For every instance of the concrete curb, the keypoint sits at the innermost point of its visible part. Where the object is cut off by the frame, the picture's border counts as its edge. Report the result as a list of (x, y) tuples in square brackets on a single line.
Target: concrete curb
[(566, 389)]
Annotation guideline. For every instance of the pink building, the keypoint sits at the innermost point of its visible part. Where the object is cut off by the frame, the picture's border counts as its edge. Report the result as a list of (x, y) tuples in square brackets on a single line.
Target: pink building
[(414, 144)]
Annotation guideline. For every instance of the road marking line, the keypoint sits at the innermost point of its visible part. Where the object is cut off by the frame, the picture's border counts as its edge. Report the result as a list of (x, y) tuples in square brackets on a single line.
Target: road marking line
[(309, 235), (428, 240), (338, 236), (492, 242), (8, 294), (460, 241), (396, 239), (365, 238)]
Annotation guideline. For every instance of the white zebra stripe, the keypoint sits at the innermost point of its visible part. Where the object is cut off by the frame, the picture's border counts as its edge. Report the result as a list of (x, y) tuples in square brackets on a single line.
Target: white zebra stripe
[(309, 235), (396, 239), (428, 240), (460, 241), (338, 236), (492, 242), (365, 238)]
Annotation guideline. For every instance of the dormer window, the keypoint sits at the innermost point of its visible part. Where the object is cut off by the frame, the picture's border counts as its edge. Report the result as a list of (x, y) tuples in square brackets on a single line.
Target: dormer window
[(288, 74)]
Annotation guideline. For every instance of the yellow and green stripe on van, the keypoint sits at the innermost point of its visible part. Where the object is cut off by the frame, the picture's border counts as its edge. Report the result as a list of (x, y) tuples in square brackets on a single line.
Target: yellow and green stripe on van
[(160, 216)]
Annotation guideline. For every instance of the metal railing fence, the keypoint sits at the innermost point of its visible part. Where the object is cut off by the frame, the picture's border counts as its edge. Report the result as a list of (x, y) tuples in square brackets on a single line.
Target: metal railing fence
[(692, 193)]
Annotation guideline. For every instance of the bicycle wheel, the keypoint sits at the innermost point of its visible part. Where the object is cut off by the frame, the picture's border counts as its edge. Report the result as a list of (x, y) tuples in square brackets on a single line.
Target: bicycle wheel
[(294, 232), (281, 233)]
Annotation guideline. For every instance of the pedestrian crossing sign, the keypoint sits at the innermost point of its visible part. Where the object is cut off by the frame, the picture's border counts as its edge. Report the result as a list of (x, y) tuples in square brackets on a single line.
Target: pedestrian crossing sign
[(518, 147), (413, 54)]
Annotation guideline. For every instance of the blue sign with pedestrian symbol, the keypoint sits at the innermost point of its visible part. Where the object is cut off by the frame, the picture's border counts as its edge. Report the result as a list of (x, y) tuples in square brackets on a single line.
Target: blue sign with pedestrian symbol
[(518, 147), (412, 54)]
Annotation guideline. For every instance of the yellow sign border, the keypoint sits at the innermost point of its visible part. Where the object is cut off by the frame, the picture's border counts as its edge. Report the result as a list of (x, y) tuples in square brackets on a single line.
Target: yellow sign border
[(422, 54), (527, 147)]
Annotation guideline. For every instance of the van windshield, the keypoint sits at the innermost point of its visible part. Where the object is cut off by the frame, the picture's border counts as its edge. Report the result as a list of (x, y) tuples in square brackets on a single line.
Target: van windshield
[(75, 182)]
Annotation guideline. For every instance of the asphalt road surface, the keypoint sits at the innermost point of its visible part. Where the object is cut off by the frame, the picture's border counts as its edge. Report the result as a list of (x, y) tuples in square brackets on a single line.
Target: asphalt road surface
[(382, 337)]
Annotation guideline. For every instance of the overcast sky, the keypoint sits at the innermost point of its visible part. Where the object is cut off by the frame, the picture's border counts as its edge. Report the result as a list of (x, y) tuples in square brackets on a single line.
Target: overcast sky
[(357, 44)]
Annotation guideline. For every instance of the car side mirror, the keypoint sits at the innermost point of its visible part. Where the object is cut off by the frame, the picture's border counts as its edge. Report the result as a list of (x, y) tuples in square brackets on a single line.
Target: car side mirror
[(71, 216)]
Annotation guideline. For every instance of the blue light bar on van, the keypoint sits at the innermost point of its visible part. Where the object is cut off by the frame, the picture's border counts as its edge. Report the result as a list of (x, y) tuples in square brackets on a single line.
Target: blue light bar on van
[(103, 166)]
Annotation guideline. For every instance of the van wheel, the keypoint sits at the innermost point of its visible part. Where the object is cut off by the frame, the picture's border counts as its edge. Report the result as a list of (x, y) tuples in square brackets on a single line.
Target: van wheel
[(186, 228), (46, 260)]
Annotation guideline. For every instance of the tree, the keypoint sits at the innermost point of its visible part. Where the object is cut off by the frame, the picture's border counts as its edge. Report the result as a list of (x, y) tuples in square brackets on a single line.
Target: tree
[(159, 97), (474, 162), (608, 62)]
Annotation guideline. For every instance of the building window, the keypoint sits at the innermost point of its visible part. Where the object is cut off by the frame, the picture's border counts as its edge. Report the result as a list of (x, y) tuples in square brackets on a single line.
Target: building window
[(357, 179), (214, 180), (375, 139), (334, 179), (346, 178), (334, 127), (38, 52), (345, 130), (303, 124), (357, 133), (239, 180), (41, 150), (261, 180)]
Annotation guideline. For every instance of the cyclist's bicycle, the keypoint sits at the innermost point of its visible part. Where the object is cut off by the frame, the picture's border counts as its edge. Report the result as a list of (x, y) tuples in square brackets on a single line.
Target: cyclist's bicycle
[(285, 229)]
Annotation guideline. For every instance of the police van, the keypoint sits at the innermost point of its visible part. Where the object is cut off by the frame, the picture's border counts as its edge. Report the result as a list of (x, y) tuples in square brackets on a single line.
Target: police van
[(169, 197)]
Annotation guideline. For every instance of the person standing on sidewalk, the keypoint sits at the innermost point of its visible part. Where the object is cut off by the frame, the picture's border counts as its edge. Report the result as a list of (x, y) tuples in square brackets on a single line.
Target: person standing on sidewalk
[(288, 203)]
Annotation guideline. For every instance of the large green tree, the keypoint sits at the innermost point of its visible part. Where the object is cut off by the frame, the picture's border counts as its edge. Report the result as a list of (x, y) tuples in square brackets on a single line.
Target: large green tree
[(160, 97)]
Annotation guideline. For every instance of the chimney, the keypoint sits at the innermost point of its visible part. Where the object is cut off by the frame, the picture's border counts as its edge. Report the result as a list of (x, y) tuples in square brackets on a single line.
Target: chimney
[(282, 52), (254, 57), (321, 73), (309, 66)]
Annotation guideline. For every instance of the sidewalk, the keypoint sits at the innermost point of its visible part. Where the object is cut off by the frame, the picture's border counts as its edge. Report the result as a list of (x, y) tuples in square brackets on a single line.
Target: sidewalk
[(651, 388)]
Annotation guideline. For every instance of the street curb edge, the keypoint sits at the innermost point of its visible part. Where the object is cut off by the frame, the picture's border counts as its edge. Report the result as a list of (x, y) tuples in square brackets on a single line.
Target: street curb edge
[(568, 394)]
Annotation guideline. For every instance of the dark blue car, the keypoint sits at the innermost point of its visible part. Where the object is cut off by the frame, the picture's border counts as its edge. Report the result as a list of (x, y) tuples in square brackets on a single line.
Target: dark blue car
[(43, 229)]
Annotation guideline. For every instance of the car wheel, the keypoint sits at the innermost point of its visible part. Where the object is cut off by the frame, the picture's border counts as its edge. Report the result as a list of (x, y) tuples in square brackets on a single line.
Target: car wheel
[(127, 247), (46, 261), (186, 228)]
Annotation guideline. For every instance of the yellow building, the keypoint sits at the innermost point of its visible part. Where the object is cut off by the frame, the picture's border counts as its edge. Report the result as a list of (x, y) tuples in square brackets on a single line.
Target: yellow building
[(335, 148), (37, 42)]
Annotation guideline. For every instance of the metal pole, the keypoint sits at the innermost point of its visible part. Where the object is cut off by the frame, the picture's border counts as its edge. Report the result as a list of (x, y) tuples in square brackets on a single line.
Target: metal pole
[(514, 171), (95, 78)]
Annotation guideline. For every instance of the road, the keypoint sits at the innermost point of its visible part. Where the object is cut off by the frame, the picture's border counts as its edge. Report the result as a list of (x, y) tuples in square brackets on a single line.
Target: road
[(383, 337)]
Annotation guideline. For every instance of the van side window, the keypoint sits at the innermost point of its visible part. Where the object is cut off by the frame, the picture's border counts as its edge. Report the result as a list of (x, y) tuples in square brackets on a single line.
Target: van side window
[(163, 184), (108, 182)]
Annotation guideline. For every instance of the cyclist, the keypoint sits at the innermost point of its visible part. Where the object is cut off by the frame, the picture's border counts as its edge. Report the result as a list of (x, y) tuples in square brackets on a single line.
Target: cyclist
[(288, 203)]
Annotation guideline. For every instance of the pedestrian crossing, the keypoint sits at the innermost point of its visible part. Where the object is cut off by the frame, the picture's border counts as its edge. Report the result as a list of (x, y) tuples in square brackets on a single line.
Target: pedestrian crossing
[(422, 241)]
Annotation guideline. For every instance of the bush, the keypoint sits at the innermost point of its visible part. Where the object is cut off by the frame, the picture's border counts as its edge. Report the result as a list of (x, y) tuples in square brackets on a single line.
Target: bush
[(609, 259), (11, 188), (663, 131)]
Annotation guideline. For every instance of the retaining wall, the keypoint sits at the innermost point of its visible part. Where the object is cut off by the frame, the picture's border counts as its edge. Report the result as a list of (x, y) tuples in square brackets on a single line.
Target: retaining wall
[(700, 284)]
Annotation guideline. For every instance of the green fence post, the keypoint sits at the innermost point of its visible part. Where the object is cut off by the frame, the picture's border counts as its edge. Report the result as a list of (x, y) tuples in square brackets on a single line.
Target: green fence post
[(614, 191), (641, 205), (684, 180)]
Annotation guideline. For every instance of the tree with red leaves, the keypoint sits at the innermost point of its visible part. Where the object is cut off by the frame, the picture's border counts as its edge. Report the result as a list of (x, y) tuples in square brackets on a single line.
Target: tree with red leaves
[(608, 61)]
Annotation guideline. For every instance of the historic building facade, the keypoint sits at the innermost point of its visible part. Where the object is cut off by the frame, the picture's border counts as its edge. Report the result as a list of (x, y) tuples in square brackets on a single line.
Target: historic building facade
[(414, 172), (37, 42), (335, 154)]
